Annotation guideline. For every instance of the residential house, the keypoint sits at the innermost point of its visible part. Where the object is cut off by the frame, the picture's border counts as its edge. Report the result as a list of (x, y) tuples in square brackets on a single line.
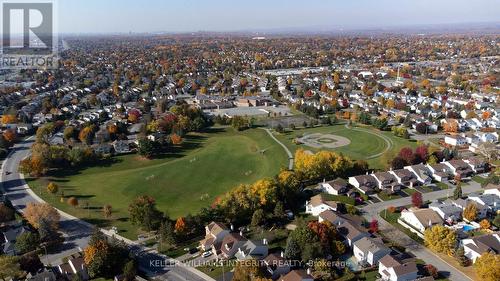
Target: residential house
[(318, 204), (10, 234), (44, 275), (214, 234), (440, 172), (335, 187), (476, 246), (459, 167), (350, 231), (490, 201), (121, 146), (478, 165), (455, 140), (420, 219), (482, 210), (276, 265), (392, 270), (366, 184), (446, 210), (405, 177), (422, 173), (369, 250), (252, 250), (231, 243), (74, 265), (387, 182), (297, 275), (492, 189)]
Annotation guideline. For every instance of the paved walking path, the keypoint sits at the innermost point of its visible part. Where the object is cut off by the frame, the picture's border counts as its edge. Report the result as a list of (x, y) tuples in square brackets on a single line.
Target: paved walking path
[(290, 155)]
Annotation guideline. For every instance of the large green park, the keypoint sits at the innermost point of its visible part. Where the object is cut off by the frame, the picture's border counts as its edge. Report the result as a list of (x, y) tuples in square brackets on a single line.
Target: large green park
[(194, 174), (182, 182)]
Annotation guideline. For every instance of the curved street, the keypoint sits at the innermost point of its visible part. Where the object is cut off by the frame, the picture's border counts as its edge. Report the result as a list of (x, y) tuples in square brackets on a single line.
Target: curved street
[(77, 232)]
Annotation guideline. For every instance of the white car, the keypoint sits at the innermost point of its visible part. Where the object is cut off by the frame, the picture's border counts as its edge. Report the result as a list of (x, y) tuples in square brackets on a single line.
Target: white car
[(206, 254)]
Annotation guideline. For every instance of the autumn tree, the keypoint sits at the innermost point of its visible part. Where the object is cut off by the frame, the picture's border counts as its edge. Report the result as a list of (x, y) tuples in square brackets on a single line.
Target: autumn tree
[(440, 239), (8, 119), (104, 258), (487, 267), (431, 270), (374, 226), (86, 135), (485, 224), (248, 270), (416, 199), (35, 213), (180, 225), (6, 213), (73, 201), (9, 136), (460, 256), (176, 139), (107, 211), (470, 212), (52, 188)]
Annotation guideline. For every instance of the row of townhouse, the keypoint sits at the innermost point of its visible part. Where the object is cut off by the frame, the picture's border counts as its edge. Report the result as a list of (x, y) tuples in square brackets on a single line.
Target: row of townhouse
[(450, 210)]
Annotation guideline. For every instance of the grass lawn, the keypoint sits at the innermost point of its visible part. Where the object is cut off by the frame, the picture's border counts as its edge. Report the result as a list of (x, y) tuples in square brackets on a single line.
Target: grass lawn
[(386, 197), (366, 142), (479, 179), (215, 271), (392, 218), (182, 182), (441, 185)]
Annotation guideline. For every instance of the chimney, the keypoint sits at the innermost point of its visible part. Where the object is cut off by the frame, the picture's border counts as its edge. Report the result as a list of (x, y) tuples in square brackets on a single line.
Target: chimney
[(232, 227), (324, 180), (264, 241), (309, 271), (241, 233), (282, 254)]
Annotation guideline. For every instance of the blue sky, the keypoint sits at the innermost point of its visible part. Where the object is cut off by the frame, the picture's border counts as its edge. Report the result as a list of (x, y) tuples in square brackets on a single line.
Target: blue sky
[(105, 16)]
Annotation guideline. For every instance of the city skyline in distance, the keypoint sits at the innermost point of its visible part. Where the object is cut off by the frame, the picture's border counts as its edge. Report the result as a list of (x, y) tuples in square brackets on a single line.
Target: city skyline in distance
[(113, 16)]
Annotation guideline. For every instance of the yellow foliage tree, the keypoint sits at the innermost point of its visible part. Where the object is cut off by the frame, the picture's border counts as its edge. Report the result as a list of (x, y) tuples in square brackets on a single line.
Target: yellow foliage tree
[(440, 239), (470, 212), (52, 188), (36, 212), (487, 267), (8, 119), (485, 224)]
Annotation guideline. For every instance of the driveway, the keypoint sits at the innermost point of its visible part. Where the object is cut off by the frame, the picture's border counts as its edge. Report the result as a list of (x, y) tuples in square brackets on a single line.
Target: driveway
[(372, 212)]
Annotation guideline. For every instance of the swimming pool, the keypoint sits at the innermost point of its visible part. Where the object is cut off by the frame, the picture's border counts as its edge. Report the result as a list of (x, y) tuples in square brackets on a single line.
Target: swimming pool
[(468, 227)]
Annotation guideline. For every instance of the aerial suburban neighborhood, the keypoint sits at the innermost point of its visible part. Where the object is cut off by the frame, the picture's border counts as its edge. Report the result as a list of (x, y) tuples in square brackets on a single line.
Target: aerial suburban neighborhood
[(271, 155)]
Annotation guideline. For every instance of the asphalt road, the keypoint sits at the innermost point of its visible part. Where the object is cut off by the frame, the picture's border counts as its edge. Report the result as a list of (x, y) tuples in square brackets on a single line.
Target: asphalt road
[(372, 212), (77, 232)]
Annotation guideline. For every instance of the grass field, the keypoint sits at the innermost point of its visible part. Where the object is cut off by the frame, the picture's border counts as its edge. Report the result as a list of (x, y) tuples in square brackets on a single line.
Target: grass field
[(366, 143), (182, 182)]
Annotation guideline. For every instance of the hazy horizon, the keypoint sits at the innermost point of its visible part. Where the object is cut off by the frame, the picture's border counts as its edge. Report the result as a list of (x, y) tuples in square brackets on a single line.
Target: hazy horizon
[(115, 16)]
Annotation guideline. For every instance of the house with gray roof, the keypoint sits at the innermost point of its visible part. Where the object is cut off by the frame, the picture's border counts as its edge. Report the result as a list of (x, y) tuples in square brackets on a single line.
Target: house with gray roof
[(476, 246), (368, 251)]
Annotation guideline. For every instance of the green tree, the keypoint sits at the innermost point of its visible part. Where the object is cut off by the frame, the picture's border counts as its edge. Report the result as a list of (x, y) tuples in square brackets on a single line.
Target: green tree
[(457, 193), (147, 148), (9, 267), (258, 217), (27, 242), (129, 271), (460, 256), (143, 212)]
